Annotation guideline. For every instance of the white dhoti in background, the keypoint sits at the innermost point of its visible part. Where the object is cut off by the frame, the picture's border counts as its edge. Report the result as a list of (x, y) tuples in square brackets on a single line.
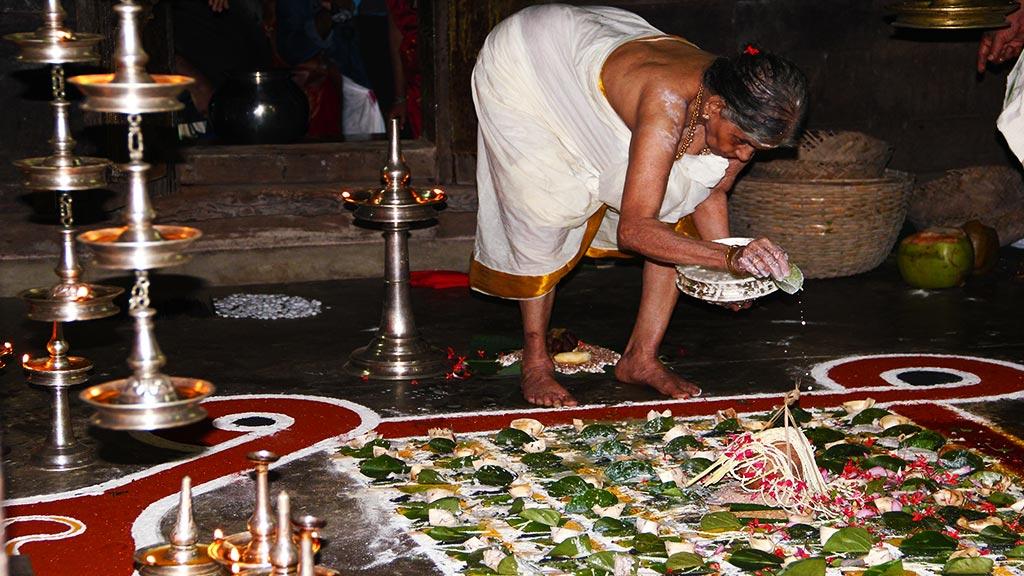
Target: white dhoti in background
[(552, 153)]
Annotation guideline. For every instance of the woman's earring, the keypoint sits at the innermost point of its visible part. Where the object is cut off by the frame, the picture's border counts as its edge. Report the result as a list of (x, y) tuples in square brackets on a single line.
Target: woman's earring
[(705, 116)]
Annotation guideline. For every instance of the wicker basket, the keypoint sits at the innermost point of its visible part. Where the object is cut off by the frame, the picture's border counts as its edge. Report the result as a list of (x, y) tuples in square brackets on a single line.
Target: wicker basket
[(993, 195), (830, 228), (829, 155)]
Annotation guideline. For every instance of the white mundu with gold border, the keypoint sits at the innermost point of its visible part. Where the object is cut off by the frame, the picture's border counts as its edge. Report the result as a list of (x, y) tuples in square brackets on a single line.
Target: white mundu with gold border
[(552, 152)]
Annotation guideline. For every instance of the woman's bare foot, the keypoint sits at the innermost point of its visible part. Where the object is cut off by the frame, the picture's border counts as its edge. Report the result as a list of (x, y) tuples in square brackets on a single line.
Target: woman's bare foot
[(651, 372), (541, 388)]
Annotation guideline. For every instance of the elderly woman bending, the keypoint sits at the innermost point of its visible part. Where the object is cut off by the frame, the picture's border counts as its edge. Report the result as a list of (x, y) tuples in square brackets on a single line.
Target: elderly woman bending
[(598, 134)]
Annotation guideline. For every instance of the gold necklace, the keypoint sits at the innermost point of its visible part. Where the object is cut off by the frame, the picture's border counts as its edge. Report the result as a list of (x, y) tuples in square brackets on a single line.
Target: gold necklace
[(691, 127)]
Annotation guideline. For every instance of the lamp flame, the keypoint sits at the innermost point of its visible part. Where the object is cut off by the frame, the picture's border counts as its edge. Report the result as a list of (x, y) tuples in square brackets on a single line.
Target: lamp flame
[(218, 534)]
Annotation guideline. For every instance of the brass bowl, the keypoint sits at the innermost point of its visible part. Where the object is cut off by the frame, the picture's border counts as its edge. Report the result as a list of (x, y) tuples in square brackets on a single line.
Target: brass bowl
[(58, 47), (102, 94), (83, 173), (109, 251), (148, 416), (70, 303)]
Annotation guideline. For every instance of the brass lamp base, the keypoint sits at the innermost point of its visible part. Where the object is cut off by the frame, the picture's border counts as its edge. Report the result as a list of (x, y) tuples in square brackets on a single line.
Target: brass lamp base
[(57, 372), (391, 358), (84, 302), (161, 561), (953, 14)]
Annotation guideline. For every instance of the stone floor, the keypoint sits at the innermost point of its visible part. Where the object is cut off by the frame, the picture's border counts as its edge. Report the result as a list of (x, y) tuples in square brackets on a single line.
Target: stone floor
[(768, 348)]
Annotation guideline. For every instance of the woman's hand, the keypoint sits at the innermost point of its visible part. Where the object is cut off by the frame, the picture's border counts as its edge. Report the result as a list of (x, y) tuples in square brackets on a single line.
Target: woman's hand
[(761, 258)]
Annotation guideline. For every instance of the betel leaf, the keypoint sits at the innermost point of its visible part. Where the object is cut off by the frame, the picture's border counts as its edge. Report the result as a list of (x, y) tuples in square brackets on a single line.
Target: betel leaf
[(1017, 552), (571, 548), (918, 482), (727, 426), (604, 562), (613, 527), (1001, 499), (451, 535), (584, 503), (512, 437), (823, 436), (850, 540), (898, 521), (805, 567), (517, 506), (890, 568), (753, 559), (649, 544), (545, 516), (629, 472), (720, 522), (430, 476), (568, 486), (977, 566), (684, 563), (695, 466), (609, 449), (926, 440), (541, 460), (657, 425), (508, 566), (491, 475), (380, 467), (868, 416), (950, 514), (441, 445), (899, 430), (800, 415), (928, 543), (366, 450), (802, 532), (598, 433), (998, 536), (846, 451), (678, 446), (885, 461), (960, 459)]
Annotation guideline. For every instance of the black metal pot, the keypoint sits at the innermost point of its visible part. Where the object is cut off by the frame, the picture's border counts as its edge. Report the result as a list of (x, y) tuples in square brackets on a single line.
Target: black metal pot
[(260, 108)]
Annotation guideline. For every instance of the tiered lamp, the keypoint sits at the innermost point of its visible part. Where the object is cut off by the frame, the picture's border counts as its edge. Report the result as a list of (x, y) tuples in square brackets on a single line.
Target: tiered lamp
[(148, 399), (70, 299)]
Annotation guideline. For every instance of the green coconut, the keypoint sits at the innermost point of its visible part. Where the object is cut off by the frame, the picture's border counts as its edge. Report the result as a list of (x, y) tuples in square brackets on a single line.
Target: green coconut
[(936, 258)]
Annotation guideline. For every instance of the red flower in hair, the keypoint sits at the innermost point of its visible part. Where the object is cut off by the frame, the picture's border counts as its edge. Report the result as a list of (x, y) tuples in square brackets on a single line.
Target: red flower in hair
[(751, 50)]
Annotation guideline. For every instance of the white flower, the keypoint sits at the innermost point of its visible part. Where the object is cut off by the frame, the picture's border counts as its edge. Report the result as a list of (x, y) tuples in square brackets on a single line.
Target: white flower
[(435, 494), (438, 517), (948, 497), (890, 420), (884, 504), (645, 526), (593, 481), (655, 414), (878, 555), (761, 543), (613, 511), (675, 432), (520, 491), (677, 547), (528, 425), (578, 424), (825, 533), (474, 544), (492, 558), (1017, 506), (362, 440), (535, 446), (379, 451), (558, 534), (854, 406), (441, 433)]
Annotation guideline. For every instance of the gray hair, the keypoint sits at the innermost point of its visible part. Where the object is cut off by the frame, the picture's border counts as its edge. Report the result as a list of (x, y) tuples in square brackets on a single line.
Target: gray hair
[(765, 95)]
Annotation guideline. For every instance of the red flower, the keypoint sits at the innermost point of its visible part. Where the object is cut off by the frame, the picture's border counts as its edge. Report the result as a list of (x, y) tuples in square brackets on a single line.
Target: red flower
[(751, 51)]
